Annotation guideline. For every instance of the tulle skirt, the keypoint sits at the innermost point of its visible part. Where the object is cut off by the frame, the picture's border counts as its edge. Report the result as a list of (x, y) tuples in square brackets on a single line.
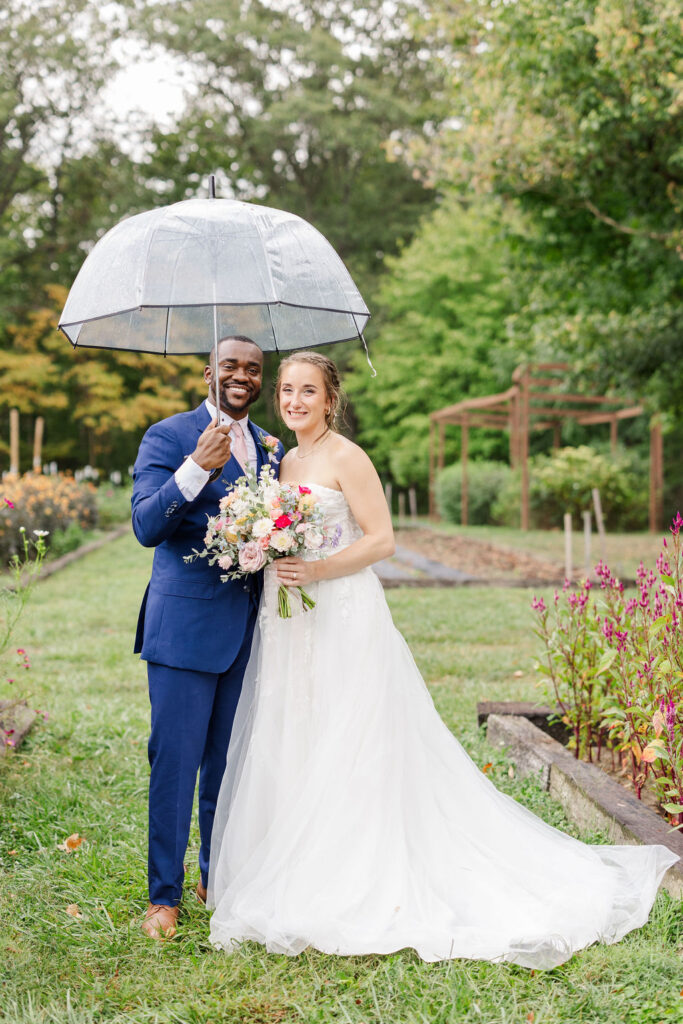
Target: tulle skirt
[(350, 819)]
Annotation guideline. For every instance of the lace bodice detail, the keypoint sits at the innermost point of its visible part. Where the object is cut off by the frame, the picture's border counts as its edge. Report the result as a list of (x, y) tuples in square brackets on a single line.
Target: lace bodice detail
[(338, 517)]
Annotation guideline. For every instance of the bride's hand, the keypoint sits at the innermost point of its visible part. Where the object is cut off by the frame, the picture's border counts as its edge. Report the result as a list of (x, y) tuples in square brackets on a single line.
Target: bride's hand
[(294, 572)]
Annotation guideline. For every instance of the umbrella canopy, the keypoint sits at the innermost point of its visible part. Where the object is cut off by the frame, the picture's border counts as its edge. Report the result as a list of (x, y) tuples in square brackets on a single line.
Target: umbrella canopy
[(174, 279)]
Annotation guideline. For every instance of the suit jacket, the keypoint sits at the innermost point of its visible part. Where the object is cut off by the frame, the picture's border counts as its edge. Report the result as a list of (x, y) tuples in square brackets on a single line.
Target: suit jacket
[(188, 618)]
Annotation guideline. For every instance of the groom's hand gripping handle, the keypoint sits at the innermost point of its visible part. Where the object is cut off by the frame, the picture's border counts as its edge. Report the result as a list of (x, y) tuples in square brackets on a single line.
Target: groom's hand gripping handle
[(213, 446)]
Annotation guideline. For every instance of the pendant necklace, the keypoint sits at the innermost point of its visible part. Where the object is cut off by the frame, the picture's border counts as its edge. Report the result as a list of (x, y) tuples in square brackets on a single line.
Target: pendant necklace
[(318, 443)]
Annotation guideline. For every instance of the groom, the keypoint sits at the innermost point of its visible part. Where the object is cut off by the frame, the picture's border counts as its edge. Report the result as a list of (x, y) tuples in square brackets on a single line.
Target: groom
[(194, 631)]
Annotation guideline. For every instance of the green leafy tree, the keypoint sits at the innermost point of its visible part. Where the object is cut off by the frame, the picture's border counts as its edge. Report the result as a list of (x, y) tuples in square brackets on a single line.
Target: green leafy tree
[(295, 106), (440, 337), (105, 399), (575, 111)]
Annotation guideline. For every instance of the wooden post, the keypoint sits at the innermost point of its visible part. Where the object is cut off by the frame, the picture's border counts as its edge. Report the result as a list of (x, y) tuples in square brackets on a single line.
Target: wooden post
[(567, 545), (557, 435), (14, 442), (464, 495), (587, 540), (600, 522), (656, 473), (513, 427), (442, 446), (401, 508), (613, 424), (524, 447), (432, 474), (38, 445), (387, 495), (412, 503)]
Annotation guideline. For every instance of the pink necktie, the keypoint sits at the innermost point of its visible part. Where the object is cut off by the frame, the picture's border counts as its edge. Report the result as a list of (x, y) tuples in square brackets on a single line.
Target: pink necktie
[(239, 445)]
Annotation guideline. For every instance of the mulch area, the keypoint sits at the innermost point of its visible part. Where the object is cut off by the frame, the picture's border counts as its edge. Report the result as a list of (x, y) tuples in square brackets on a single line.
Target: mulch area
[(480, 558)]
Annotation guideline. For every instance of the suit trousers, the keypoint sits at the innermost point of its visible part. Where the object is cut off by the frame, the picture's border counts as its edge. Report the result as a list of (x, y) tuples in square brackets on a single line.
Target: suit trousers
[(192, 716)]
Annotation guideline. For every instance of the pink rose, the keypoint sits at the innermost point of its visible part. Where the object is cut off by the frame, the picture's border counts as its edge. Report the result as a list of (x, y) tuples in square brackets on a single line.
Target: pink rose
[(225, 562), (304, 490), (272, 441), (252, 557)]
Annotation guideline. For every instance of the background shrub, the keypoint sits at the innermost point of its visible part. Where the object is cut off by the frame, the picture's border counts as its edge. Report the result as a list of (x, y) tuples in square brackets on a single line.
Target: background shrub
[(485, 481), (563, 482), (40, 502)]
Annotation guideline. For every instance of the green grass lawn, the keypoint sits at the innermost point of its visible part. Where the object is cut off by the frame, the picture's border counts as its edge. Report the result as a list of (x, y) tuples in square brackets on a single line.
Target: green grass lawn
[(85, 771)]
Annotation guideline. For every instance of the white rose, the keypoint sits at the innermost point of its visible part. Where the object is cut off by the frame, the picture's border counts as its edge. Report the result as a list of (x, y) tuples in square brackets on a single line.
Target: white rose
[(262, 527), (239, 508), (281, 540), (313, 539)]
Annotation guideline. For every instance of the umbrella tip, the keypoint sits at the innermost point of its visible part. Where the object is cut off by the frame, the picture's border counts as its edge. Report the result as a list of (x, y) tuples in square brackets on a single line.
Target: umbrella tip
[(212, 186)]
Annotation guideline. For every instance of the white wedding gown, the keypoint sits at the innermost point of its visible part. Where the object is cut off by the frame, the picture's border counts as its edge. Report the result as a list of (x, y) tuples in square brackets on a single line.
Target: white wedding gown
[(350, 819)]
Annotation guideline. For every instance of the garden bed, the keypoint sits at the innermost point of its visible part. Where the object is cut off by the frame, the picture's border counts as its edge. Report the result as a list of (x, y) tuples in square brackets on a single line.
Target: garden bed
[(591, 798), (486, 561)]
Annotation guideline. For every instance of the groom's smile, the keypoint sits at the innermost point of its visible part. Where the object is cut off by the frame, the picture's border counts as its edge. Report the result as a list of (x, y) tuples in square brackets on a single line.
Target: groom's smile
[(240, 374)]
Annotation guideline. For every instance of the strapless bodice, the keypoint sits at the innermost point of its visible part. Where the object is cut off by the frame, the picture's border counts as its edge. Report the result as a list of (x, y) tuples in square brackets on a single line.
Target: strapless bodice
[(338, 517)]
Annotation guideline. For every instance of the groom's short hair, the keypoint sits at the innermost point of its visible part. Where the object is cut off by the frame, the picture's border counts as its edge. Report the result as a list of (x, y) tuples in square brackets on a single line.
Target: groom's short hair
[(230, 337)]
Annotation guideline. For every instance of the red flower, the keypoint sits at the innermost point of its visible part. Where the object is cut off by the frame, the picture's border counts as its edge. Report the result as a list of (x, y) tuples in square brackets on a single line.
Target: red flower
[(10, 503), (282, 522), (304, 490)]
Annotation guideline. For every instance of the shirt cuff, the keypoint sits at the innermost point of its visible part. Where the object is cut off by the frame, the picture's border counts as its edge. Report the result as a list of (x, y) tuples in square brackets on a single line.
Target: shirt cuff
[(191, 478)]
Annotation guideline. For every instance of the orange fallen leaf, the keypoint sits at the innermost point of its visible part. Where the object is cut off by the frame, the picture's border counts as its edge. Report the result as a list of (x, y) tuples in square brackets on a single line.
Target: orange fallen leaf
[(511, 771), (489, 764), (530, 1016), (74, 910), (13, 853), (71, 843)]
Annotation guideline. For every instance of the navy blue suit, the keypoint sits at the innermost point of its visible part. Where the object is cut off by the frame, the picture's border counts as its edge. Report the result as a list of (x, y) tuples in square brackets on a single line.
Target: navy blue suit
[(195, 634)]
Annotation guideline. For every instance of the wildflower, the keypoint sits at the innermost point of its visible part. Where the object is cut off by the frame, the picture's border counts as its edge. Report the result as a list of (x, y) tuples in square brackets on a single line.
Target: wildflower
[(9, 503), (41, 533), (622, 637), (538, 604), (671, 719), (676, 524)]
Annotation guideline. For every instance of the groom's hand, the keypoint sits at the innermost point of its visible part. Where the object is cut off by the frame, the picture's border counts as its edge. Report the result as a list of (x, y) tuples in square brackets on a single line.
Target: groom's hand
[(213, 446)]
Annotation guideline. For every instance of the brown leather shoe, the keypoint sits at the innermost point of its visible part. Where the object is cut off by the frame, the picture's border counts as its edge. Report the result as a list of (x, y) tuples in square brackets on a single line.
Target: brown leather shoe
[(201, 892), (160, 921)]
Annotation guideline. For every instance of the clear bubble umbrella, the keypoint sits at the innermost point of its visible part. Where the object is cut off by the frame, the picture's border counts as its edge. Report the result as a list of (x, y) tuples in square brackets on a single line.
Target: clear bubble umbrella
[(176, 279)]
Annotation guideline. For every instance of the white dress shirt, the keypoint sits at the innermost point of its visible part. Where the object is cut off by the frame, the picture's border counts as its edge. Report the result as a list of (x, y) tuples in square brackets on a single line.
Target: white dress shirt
[(191, 478)]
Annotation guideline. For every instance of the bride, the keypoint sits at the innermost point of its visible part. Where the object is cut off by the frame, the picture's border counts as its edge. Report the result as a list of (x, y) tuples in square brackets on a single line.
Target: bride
[(350, 819)]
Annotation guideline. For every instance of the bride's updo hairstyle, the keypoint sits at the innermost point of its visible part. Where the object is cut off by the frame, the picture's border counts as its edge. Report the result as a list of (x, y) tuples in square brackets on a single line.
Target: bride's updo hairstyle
[(333, 388)]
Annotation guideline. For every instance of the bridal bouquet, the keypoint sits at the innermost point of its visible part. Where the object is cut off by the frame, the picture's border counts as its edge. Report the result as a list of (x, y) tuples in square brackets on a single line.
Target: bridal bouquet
[(260, 520)]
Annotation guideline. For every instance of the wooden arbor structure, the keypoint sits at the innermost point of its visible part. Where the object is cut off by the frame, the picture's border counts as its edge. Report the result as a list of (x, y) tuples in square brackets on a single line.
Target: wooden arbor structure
[(536, 401)]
